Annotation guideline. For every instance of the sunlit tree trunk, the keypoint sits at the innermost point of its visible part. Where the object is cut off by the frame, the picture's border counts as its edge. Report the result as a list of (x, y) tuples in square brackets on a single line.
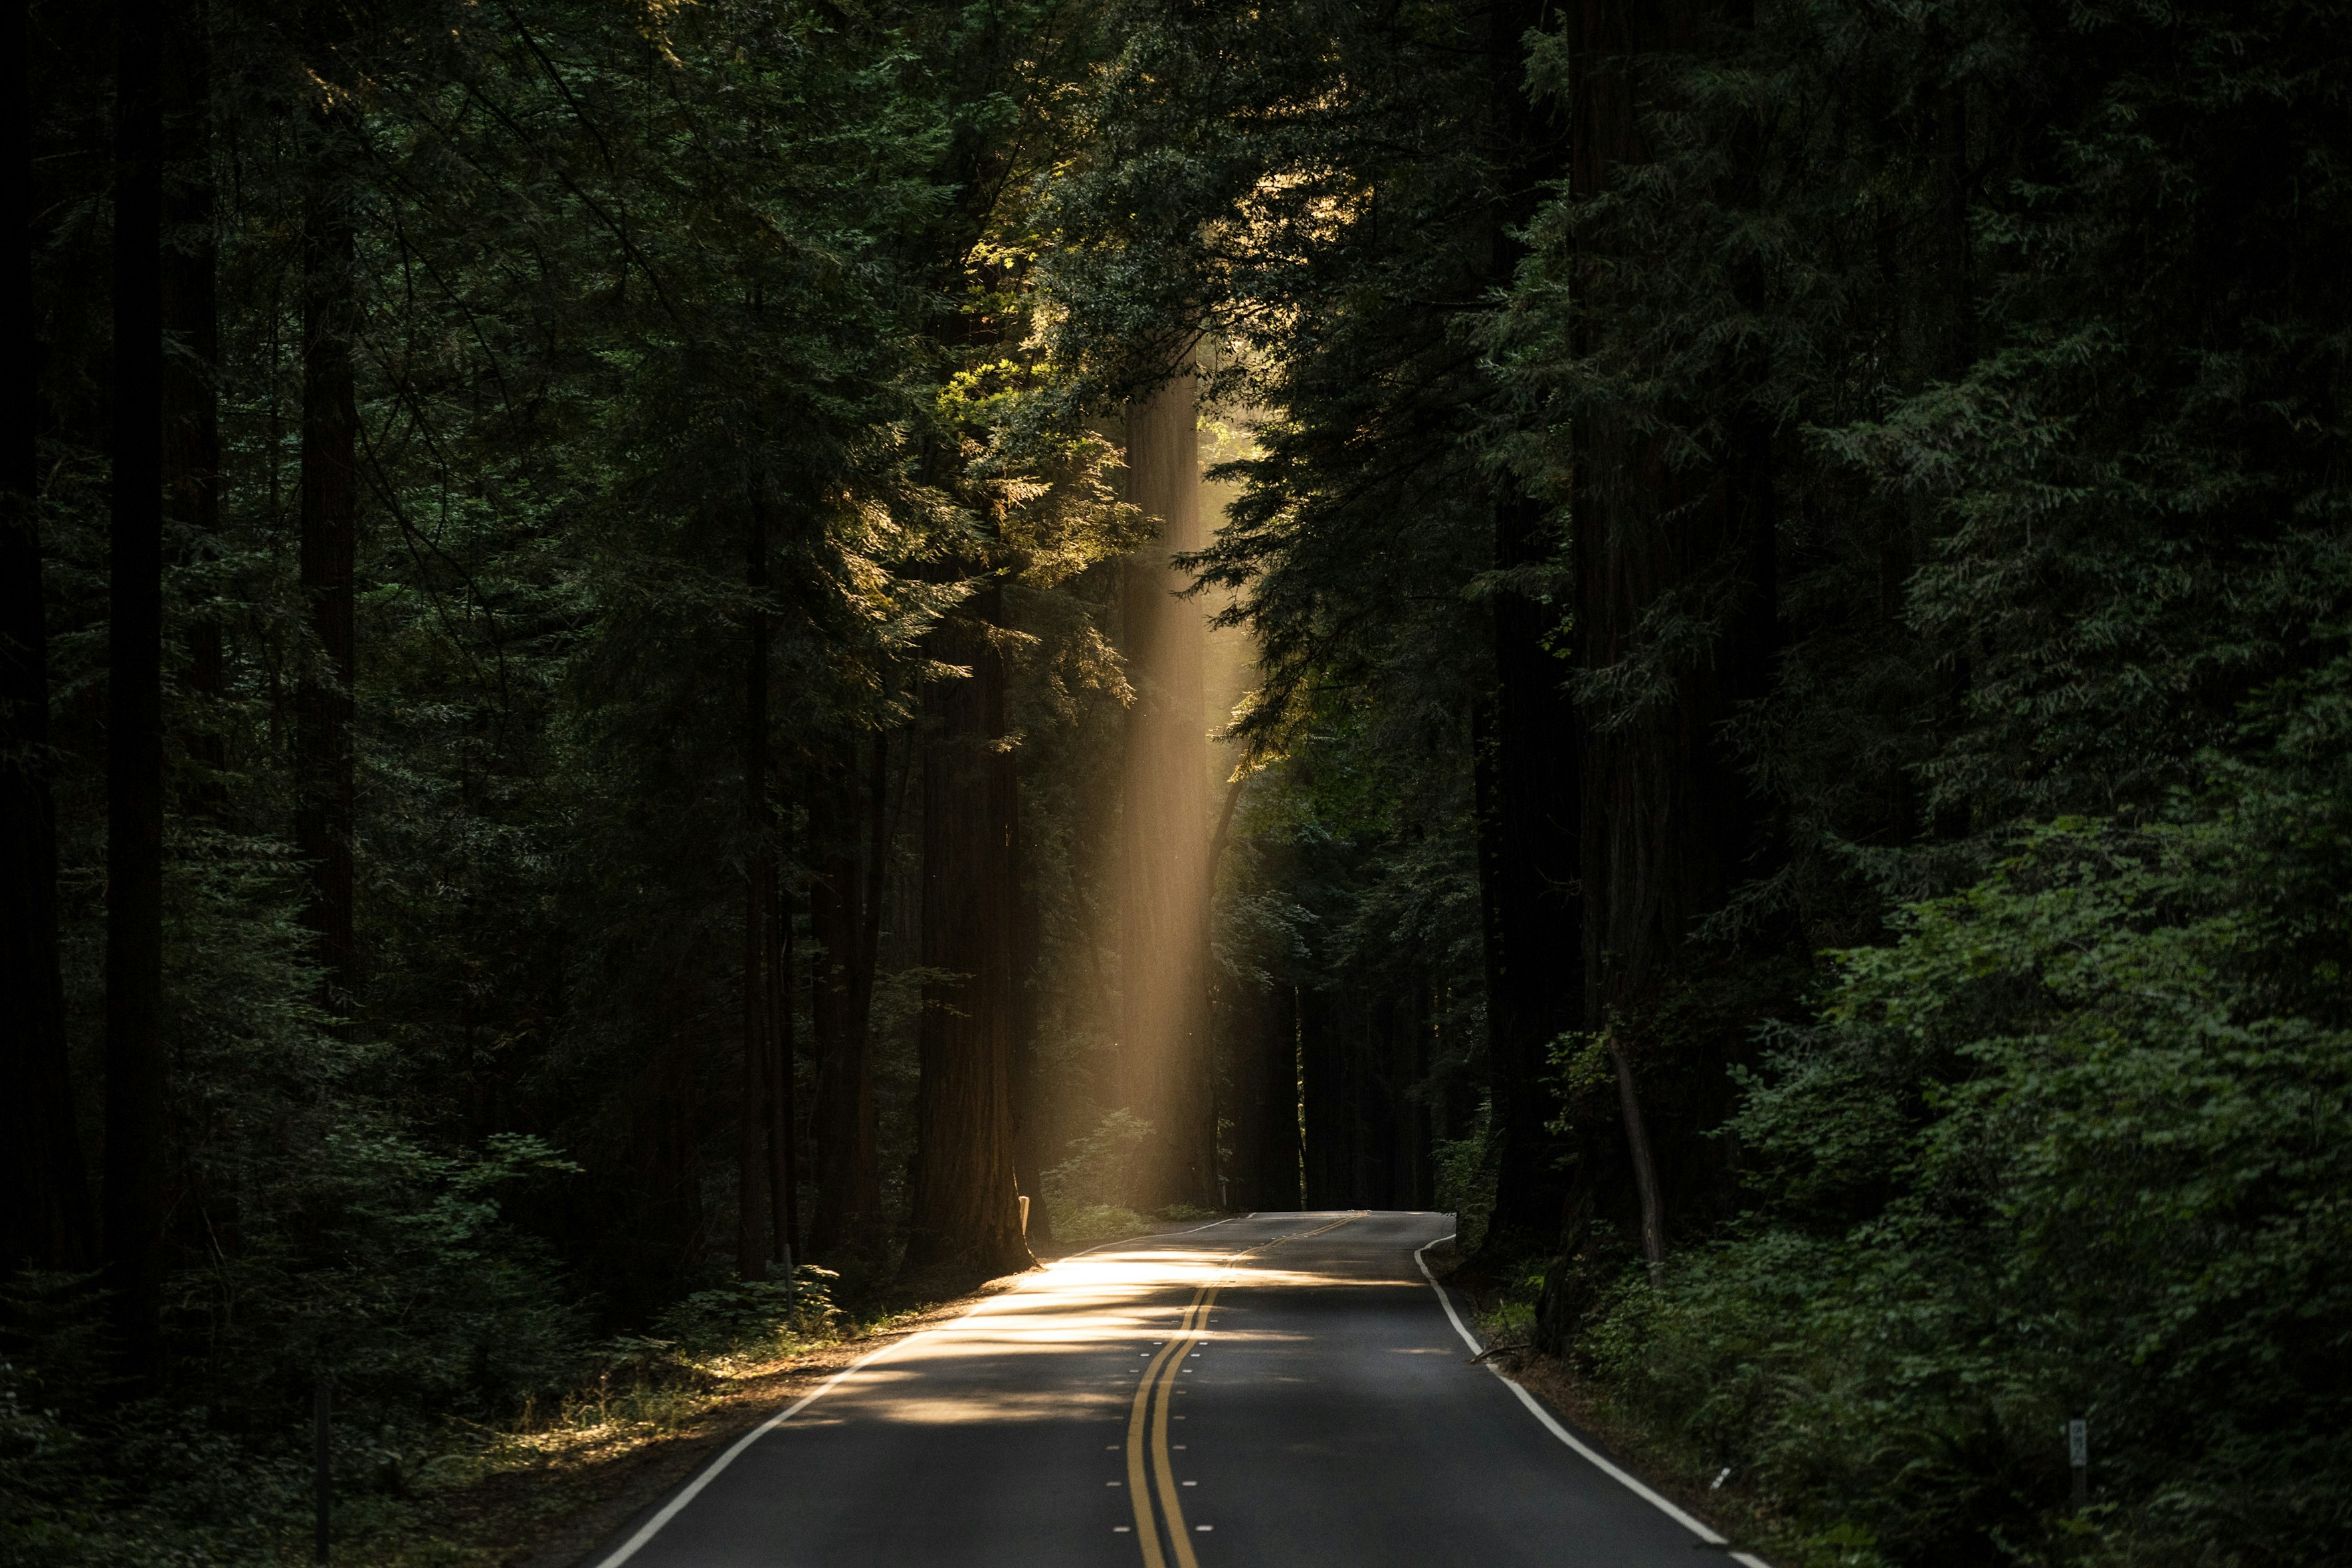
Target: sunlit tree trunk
[(45, 1214), (135, 1164), (1163, 811), (965, 1214)]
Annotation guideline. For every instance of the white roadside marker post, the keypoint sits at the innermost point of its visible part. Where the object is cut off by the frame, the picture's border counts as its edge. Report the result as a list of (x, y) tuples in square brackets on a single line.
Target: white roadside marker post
[(2078, 1456)]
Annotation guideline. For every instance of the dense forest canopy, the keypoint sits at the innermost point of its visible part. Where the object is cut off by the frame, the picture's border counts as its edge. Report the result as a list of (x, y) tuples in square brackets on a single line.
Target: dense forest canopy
[(669, 665)]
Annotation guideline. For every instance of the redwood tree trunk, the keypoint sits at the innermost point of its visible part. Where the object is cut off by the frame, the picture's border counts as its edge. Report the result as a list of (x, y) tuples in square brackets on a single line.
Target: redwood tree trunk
[(1527, 776), (753, 1175), (45, 1217), (1278, 1090), (330, 529), (784, 1110), (1669, 825), (1028, 1080), (135, 720), (850, 816), (965, 1215)]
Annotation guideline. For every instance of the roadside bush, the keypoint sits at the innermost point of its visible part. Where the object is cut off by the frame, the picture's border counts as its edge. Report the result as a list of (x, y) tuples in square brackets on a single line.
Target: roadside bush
[(2077, 1142)]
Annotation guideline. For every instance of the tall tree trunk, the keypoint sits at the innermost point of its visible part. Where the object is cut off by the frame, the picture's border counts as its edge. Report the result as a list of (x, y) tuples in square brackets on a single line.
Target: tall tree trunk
[(323, 816), (1322, 1102), (135, 1164), (1526, 774), (45, 1217), (1028, 1080), (1527, 747), (1278, 1091), (752, 1239), (1163, 811), (845, 907), (1667, 822), (965, 1215), (783, 1109), (190, 367)]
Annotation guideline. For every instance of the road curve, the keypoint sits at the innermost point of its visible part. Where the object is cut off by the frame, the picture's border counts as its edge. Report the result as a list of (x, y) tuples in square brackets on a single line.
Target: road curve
[(1284, 1390)]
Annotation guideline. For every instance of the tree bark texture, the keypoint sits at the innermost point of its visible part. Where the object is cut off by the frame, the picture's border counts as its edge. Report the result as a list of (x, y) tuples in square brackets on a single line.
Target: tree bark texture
[(324, 813), (44, 1208), (135, 1164), (753, 1174), (1668, 825), (965, 1214), (849, 829), (1163, 812)]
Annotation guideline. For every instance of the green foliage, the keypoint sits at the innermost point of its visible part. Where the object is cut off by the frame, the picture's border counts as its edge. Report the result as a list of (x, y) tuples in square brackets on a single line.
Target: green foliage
[(1464, 1186), (2076, 1143), (1103, 1168), (748, 1316)]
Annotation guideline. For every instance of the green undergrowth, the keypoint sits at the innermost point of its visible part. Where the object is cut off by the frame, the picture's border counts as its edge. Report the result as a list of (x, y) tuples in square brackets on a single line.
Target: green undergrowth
[(86, 1478)]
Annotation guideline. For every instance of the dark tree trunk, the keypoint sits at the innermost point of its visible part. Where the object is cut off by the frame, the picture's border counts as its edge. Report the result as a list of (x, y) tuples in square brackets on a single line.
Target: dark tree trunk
[(845, 909), (191, 372), (135, 1164), (1324, 1112), (330, 526), (45, 1217), (783, 1083), (1028, 1082), (1668, 823), (1278, 1092), (1163, 814), (965, 1216), (1528, 754), (753, 1173), (1526, 773)]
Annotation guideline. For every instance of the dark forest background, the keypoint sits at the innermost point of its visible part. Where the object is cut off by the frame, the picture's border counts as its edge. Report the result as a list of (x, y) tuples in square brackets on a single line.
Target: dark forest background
[(584, 611)]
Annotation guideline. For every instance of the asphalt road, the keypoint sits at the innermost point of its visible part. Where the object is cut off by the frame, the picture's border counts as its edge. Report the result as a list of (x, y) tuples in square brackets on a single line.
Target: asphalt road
[(1282, 1390)]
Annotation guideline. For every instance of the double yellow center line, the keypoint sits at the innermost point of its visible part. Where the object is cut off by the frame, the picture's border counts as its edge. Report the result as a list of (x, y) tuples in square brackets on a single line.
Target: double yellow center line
[(1151, 1400), (1150, 1416)]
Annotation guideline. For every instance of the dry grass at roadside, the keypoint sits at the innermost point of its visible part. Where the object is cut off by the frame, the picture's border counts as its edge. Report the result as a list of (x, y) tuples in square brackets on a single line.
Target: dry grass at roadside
[(555, 1486), (548, 1491)]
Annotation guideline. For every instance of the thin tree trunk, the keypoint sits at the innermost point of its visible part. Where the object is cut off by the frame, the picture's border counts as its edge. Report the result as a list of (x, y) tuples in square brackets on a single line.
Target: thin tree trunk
[(45, 1212), (965, 1215), (1645, 1169), (752, 1173), (134, 764), (330, 527)]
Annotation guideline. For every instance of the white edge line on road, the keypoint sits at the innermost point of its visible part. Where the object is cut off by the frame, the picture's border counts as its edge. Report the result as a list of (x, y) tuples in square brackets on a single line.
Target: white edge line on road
[(1585, 1450), (710, 1472)]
